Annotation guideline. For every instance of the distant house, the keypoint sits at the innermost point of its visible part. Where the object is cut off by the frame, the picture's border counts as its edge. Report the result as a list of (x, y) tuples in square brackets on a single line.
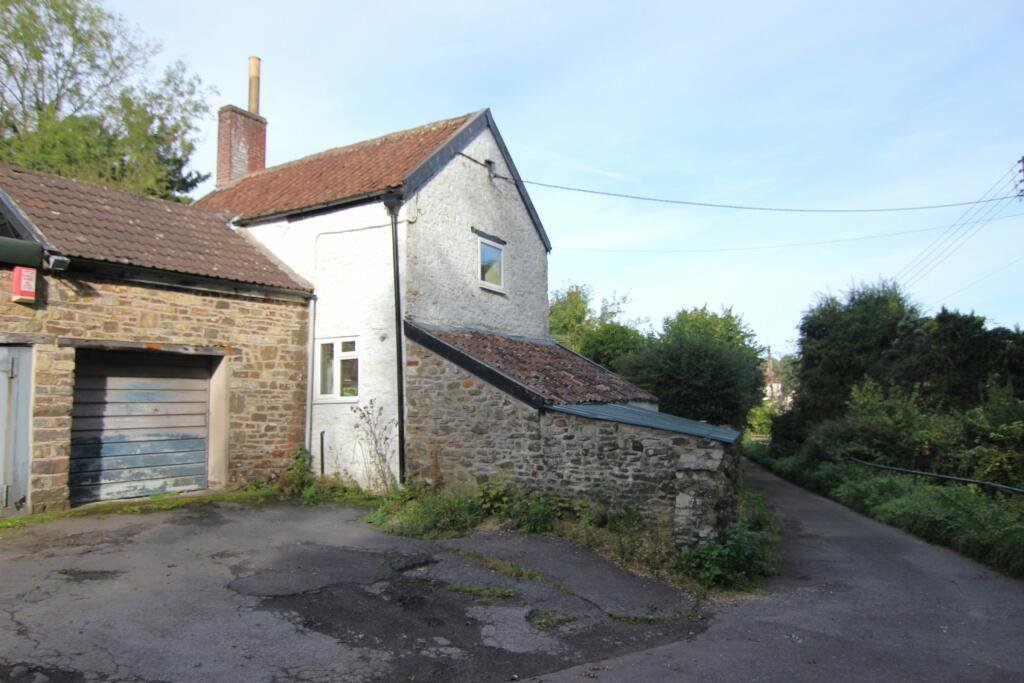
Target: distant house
[(429, 266), (162, 350)]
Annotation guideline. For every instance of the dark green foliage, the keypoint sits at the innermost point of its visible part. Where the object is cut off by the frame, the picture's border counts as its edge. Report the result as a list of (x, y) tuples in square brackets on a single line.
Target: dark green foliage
[(533, 512), (495, 496), (298, 476), (987, 527), (841, 342), (440, 515), (571, 317), (703, 366), (608, 342), (75, 100), (526, 510), (948, 358), (744, 554), (966, 520), (735, 561)]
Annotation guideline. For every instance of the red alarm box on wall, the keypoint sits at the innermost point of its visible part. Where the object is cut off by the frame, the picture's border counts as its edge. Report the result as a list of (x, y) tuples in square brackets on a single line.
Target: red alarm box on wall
[(23, 285)]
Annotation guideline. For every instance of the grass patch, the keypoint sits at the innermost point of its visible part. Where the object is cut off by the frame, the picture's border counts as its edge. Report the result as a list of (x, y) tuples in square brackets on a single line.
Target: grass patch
[(442, 515), (298, 483), (501, 566), (252, 495), (544, 619), (485, 595)]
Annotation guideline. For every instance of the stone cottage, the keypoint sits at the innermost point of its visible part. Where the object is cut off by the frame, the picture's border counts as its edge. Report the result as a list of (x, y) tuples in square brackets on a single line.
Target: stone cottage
[(159, 351), (429, 266)]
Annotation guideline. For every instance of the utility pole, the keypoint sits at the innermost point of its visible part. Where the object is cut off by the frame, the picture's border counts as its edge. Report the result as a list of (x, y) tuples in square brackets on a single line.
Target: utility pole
[(1020, 180)]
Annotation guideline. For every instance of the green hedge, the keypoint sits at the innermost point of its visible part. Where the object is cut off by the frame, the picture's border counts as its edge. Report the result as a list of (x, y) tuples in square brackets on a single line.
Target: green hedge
[(986, 527)]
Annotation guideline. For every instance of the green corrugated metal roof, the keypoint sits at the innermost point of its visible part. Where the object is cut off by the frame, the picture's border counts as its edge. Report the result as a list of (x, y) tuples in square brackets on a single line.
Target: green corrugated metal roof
[(641, 417)]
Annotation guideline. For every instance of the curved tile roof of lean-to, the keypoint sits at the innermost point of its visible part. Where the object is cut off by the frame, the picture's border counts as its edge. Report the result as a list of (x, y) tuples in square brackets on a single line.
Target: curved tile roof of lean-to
[(92, 222), (332, 176)]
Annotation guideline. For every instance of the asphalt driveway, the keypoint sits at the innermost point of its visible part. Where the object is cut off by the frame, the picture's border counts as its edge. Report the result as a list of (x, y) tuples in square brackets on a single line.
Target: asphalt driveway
[(856, 601), (286, 593)]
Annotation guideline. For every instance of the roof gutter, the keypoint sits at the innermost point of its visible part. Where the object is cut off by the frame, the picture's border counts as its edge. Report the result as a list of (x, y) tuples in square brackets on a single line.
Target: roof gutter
[(167, 278), (315, 209)]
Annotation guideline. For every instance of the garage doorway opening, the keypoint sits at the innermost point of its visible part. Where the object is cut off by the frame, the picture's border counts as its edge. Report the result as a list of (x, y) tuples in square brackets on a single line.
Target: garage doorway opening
[(143, 423)]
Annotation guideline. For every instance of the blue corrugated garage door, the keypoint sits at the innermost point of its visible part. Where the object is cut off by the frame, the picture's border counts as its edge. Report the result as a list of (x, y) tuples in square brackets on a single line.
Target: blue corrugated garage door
[(139, 424)]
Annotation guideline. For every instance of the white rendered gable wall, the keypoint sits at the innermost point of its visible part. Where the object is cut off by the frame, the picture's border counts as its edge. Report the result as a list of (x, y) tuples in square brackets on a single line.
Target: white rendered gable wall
[(442, 272), (346, 254)]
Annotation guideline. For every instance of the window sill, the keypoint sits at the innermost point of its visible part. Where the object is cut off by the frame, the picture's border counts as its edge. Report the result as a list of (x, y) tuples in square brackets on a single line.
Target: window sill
[(494, 290), (335, 399)]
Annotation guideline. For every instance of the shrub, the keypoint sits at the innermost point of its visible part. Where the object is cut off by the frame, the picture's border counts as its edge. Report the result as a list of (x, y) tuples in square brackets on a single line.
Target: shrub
[(592, 515), (865, 493), (442, 515), (495, 496), (744, 553), (533, 512), (965, 520), (759, 419), (298, 475)]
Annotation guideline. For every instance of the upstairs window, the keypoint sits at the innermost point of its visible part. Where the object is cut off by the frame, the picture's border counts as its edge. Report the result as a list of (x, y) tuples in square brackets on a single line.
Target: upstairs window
[(337, 369), (491, 275)]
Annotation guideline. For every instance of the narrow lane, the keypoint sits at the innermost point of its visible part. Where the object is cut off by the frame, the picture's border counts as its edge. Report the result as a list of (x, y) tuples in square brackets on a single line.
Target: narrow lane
[(856, 600)]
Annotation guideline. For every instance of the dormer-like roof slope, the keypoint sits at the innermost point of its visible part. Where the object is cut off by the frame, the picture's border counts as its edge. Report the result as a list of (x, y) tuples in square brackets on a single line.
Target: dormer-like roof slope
[(86, 221), (401, 162)]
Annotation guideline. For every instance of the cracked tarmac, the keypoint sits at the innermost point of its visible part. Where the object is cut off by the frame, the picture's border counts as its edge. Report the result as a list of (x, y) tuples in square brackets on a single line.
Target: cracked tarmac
[(289, 593)]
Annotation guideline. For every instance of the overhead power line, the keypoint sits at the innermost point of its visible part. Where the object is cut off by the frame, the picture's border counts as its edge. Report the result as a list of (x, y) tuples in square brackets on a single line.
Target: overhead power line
[(955, 246), (764, 247), (920, 259), (981, 279), (735, 207), (749, 207)]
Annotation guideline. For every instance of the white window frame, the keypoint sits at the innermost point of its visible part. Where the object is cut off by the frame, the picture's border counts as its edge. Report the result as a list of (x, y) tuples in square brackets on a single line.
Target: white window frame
[(339, 355), (480, 265)]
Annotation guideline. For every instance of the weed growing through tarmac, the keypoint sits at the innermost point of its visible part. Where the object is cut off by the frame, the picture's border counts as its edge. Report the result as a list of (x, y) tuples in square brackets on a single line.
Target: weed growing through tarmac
[(485, 595), (501, 566), (544, 619)]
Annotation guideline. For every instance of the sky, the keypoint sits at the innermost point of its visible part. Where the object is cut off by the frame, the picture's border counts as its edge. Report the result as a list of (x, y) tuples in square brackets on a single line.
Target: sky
[(782, 104)]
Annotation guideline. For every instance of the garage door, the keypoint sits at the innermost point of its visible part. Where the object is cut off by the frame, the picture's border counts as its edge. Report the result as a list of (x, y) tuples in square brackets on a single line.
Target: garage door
[(139, 424)]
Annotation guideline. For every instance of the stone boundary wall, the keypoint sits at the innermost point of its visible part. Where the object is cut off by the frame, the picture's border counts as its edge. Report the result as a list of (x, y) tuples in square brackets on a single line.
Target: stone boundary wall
[(265, 346), (468, 431)]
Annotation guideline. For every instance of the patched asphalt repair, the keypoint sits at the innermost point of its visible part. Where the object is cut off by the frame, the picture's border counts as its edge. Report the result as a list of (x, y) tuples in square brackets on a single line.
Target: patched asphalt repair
[(289, 593)]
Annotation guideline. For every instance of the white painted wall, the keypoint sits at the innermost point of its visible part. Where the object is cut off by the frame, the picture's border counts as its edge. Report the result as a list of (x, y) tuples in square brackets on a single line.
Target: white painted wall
[(346, 254), (442, 271)]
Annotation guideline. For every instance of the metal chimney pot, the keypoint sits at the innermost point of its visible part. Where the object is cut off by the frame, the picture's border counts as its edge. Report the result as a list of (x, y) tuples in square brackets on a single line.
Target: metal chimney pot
[(254, 85)]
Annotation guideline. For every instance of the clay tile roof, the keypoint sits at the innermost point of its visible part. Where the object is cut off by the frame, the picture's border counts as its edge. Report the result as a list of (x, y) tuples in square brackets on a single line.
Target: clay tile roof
[(92, 222), (542, 366), (334, 175)]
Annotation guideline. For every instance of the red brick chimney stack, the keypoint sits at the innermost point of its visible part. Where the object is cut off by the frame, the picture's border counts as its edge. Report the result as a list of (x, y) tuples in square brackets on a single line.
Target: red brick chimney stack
[(242, 135)]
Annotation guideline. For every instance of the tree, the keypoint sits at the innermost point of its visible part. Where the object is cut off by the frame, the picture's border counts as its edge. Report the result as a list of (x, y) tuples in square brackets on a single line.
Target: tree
[(843, 341), (571, 316), (609, 342), (703, 365), (75, 100), (947, 359)]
